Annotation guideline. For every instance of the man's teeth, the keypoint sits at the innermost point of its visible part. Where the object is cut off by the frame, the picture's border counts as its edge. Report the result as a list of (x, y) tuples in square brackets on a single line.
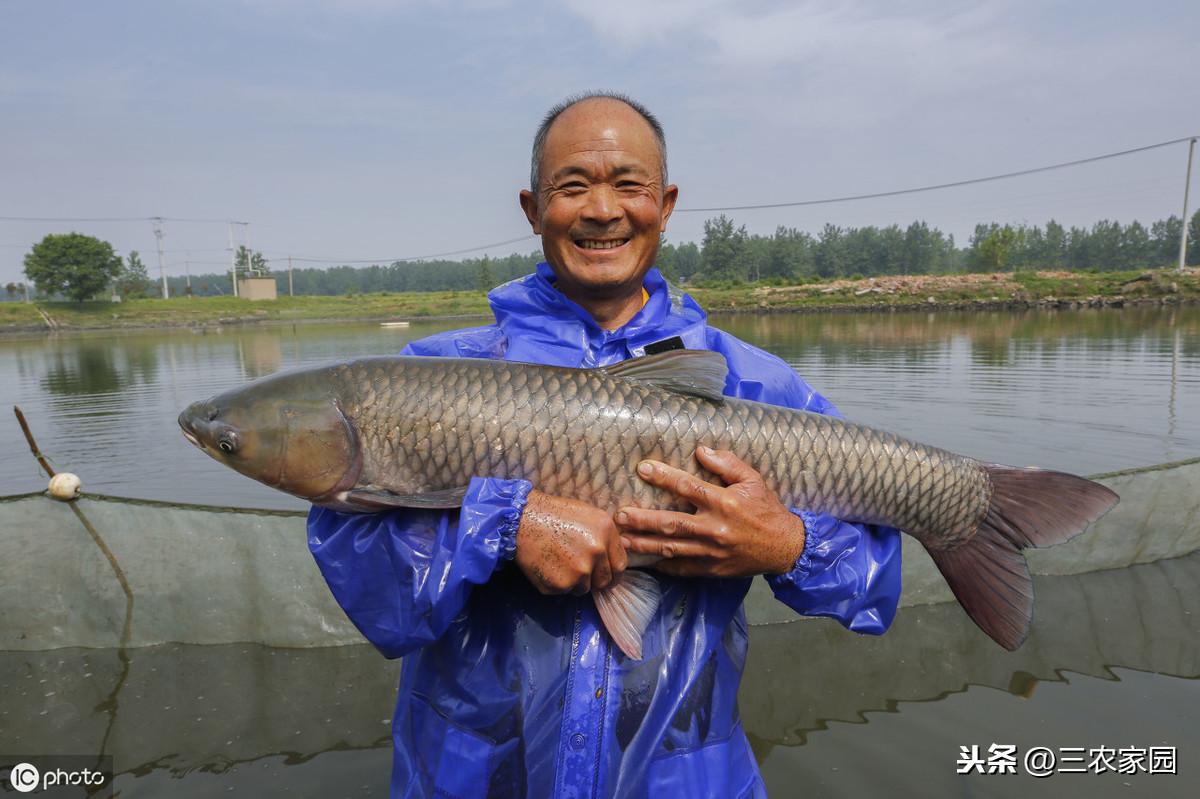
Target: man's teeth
[(592, 244)]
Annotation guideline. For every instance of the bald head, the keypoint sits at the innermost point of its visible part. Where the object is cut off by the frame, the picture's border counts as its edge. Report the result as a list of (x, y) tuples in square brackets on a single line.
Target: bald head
[(594, 102)]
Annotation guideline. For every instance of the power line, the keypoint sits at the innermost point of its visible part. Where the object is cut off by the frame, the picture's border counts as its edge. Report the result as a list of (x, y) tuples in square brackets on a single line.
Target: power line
[(936, 186), (315, 259), (109, 219), (709, 209)]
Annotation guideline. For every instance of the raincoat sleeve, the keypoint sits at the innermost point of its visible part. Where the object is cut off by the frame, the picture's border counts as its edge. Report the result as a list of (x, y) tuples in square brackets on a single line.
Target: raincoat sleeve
[(850, 572), (402, 576)]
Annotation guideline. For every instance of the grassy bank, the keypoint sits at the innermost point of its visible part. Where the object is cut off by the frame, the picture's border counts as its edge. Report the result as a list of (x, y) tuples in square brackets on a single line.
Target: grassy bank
[(1019, 290), (201, 311), (1023, 289)]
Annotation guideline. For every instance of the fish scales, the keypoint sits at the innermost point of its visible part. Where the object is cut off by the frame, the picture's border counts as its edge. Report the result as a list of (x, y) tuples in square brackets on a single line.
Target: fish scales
[(406, 432), (580, 433)]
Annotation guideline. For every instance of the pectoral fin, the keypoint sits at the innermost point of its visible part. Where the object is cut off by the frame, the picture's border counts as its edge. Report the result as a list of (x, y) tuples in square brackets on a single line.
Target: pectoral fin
[(627, 607)]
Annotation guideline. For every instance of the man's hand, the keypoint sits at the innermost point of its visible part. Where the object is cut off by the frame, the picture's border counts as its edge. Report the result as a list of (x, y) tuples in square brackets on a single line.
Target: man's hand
[(738, 530), (568, 546)]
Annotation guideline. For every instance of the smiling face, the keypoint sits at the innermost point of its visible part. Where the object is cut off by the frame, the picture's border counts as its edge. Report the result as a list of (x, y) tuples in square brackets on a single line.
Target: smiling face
[(601, 206)]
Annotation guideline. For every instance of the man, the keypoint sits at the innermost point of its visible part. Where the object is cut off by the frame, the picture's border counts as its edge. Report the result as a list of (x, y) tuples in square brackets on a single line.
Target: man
[(510, 686)]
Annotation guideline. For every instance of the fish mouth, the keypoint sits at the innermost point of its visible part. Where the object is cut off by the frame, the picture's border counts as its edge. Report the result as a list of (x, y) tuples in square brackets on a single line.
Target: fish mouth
[(189, 432)]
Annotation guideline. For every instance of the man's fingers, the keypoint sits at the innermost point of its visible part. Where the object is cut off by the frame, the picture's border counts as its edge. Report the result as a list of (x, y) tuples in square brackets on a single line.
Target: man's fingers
[(724, 464), (664, 547), (618, 559), (602, 575), (678, 482), (685, 567), (663, 522)]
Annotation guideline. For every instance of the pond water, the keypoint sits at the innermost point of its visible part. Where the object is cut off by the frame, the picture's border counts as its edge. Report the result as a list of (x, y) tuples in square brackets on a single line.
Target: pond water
[(1085, 391), (1114, 663)]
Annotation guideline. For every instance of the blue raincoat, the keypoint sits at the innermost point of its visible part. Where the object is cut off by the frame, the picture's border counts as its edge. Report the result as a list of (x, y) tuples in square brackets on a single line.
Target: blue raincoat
[(506, 692)]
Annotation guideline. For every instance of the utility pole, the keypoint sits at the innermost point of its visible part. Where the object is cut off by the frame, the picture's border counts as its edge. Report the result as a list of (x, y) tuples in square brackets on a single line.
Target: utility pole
[(1187, 183), (162, 271), (246, 244), (232, 260), (290, 276), (187, 270)]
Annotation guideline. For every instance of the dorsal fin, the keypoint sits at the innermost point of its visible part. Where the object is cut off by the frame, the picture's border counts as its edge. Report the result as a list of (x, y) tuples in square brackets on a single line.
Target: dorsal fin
[(700, 373)]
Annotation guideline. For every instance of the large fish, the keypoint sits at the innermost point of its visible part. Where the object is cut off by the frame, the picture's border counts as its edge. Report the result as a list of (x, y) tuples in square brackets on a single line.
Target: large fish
[(404, 432)]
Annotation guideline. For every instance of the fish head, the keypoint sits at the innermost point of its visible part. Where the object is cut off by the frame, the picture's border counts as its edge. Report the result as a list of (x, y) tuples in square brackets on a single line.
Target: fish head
[(287, 431)]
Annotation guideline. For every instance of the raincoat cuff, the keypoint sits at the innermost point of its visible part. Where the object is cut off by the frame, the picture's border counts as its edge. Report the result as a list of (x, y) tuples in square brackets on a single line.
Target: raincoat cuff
[(494, 507), (816, 526)]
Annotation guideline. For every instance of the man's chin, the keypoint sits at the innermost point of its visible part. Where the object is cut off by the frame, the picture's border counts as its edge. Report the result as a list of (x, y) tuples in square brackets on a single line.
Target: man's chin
[(603, 280)]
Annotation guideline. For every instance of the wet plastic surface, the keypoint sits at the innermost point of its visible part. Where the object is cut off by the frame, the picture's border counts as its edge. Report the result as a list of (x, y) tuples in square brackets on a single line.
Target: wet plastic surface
[(507, 692)]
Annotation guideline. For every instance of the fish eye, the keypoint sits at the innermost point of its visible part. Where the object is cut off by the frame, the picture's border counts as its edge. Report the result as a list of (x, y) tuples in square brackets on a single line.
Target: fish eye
[(227, 443)]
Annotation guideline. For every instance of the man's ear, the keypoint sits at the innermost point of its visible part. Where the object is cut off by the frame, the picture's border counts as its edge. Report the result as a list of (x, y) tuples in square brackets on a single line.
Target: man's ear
[(529, 205), (670, 195)]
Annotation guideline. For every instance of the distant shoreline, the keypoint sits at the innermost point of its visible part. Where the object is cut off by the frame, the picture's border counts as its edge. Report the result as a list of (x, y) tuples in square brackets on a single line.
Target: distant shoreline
[(959, 292)]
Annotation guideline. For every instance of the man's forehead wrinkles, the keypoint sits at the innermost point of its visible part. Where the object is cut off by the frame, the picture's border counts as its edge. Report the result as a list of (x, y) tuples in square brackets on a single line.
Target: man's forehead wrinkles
[(586, 156), (605, 141)]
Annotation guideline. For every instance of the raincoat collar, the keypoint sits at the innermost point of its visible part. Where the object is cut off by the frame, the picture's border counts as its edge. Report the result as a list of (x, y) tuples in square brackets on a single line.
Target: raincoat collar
[(530, 309)]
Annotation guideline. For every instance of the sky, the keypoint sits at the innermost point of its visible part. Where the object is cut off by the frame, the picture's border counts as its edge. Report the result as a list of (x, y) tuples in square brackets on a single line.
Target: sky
[(345, 130)]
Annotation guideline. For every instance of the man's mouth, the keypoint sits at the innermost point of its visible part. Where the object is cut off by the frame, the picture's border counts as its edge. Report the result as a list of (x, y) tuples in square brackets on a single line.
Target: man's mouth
[(600, 244)]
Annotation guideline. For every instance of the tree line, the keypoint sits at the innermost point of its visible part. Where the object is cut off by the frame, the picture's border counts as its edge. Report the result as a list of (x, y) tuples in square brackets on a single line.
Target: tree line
[(730, 254), (79, 267)]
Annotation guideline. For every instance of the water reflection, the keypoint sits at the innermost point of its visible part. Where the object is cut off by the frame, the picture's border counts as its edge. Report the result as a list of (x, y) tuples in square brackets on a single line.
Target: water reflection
[(260, 355), (96, 367), (1144, 617), (192, 717), (1085, 391)]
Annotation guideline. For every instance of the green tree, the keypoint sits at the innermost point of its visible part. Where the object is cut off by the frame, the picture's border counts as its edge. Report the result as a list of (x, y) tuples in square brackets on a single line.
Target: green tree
[(1054, 256), (1135, 247), (133, 281), (665, 260), (831, 256), (1193, 241), (1165, 236), (71, 264), (1105, 248), (483, 276), (723, 249), (250, 264), (789, 255), (992, 246), (11, 290), (688, 260)]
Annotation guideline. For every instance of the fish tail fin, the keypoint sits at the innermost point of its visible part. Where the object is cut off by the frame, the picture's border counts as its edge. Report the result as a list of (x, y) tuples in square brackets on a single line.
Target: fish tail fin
[(626, 608), (1029, 508)]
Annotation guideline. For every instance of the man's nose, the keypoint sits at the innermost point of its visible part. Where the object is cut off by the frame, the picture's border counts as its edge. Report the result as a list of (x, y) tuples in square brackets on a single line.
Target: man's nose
[(602, 205)]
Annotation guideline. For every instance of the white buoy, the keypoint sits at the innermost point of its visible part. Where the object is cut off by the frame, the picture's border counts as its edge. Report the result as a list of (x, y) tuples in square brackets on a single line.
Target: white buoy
[(64, 486)]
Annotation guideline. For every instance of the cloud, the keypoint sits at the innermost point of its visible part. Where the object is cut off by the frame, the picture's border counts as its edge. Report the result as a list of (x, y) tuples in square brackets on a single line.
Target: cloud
[(751, 35)]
